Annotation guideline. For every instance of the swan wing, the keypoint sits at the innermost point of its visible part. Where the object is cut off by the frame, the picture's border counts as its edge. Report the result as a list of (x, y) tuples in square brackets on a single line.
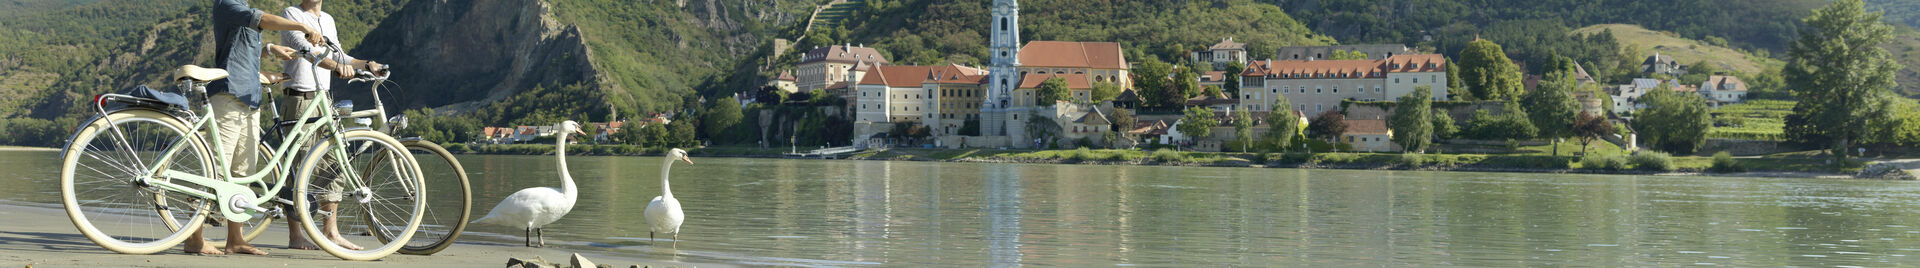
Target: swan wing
[(664, 215), (526, 208)]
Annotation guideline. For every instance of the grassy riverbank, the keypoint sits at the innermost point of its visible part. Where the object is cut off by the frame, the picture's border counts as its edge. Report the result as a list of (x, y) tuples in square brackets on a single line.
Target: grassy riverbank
[(1540, 159)]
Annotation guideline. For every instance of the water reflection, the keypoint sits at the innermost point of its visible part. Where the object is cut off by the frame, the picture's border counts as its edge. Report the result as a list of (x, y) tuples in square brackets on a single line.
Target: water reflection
[(847, 213)]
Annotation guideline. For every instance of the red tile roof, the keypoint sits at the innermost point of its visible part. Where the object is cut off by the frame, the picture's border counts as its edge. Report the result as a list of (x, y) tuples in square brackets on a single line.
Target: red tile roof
[(786, 76), (1214, 76), (1726, 83), (1095, 55), (1228, 43), (914, 76), (1325, 69)]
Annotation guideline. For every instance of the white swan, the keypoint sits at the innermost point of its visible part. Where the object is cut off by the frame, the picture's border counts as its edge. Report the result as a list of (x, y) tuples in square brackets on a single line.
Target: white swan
[(532, 208), (663, 215)]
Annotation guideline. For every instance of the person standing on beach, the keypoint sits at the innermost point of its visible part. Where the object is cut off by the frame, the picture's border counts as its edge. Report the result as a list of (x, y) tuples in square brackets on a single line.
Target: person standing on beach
[(236, 99), (299, 89)]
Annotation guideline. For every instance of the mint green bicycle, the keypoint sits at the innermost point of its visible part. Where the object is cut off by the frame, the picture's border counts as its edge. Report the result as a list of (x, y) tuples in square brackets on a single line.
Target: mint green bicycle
[(141, 177)]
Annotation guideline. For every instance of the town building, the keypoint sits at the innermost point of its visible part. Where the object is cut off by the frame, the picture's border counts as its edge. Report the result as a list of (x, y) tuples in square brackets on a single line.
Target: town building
[(1214, 79), (1369, 135), (1315, 86), (1724, 89), (823, 67), (785, 82), (1222, 54), (941, 97), (1662, 64), (1374, 52)]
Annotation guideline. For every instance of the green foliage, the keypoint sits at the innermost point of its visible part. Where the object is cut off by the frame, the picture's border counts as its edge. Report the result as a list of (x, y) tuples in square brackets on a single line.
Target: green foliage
[(1551, 107), (1348, 55), (427, 125), (1155, 89), (1412, 120), (1186, 81), (1197, 123), (1723, 162), (1167, 155), (1242, 131), (1103, 91), (1588, 127), (1604, 162), (1673, 121), (1752, 120), (722, 122), (1834, 68), (1052, 91), (1511, 124), (1282, 125), (1488, 73), (1652, 161), (1443, 126), (1892, 120), (36, 132), (1329, 125)]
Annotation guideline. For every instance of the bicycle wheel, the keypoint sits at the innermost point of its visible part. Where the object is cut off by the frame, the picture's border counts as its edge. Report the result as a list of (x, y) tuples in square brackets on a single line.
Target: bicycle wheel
[(385, 196), (444, 220), (105, 181)]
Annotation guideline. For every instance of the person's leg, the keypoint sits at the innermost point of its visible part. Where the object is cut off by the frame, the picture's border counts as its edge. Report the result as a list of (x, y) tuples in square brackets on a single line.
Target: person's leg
[(289, 108), (239, 132)]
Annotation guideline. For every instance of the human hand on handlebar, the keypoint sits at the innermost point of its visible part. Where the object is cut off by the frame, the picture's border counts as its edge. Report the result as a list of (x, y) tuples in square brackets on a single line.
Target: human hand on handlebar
[(344, 71), (376, 67), (313, 35), (282, 52)]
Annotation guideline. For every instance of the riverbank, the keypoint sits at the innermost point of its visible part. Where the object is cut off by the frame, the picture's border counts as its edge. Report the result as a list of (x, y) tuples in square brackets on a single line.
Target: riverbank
[(26, 148), (41, 235), (1790, 165)]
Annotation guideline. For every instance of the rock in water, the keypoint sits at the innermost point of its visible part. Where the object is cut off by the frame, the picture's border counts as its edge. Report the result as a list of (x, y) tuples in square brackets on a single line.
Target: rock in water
[(582, 262)]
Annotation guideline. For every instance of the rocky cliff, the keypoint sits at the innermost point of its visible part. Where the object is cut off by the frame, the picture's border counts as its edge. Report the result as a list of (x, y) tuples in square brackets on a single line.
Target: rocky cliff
[(467, 53)]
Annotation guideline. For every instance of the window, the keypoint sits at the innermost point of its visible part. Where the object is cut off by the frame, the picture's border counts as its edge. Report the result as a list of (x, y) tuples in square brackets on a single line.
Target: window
[(1416, 80), (1396, 80), (1336, 90)]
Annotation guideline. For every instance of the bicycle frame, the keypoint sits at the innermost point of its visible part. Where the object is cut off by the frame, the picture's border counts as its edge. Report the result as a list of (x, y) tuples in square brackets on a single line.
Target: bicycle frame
[(234, 199)]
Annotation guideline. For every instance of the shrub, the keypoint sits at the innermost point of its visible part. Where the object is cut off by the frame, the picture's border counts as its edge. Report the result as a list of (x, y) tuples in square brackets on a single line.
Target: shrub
[(1654, 161), (1528, 161), (1723, 162), (1412, 160), (1295, 157), (1082, 154), (1603, 162), (1166, 155), (1122, 156)]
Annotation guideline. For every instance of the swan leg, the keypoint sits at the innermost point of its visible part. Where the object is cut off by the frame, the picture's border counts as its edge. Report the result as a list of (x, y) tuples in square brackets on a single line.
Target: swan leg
[(529, 236), (650, 238), (542, 233), (676, 240)]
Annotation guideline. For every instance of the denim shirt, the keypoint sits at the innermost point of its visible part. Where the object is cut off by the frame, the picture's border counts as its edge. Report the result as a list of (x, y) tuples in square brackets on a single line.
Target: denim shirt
[(236, 37)]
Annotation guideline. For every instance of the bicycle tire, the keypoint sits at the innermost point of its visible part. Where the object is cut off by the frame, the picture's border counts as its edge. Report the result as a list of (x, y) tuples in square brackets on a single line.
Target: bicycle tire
[(119, 158), (405, 177)]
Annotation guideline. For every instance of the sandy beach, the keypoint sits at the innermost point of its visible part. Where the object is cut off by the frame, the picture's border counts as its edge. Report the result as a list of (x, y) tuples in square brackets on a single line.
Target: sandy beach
[(41, 236)]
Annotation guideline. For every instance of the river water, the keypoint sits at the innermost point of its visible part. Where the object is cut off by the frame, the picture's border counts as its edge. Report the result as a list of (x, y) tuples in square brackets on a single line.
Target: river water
[(855, 213)]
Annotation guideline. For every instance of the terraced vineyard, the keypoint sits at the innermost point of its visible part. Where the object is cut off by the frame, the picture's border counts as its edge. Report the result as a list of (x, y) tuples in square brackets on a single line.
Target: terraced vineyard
[(1753, 120)]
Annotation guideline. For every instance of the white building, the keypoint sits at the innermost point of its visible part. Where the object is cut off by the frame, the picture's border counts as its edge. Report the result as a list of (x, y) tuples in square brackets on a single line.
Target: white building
[(1315, 86), (1723, 89)]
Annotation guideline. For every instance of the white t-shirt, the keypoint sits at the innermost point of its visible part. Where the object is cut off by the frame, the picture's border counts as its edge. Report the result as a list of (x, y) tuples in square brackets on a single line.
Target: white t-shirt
[(300, 73)]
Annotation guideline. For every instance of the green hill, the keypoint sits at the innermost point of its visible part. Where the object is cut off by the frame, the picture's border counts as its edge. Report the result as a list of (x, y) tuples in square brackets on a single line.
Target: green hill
[(1685, 50)]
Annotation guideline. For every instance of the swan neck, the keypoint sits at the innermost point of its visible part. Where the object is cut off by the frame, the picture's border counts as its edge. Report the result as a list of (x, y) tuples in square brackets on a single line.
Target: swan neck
[(666, 190), (566, 179)]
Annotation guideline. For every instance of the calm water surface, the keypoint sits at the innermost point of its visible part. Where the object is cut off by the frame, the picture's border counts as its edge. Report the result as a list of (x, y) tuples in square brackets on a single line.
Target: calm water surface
[(853, 213)]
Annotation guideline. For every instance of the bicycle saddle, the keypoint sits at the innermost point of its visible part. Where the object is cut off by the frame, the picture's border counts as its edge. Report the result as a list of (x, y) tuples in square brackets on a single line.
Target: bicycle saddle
[(198, 74)]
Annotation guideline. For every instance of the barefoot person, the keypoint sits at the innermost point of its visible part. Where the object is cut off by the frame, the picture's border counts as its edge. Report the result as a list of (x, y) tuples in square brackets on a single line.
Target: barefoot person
[(300, 87), (236, 99)]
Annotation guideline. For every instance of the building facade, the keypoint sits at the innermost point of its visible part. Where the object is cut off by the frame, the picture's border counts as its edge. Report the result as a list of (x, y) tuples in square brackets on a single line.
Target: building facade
[(1223, 53), (1315, 86), (824, 66)]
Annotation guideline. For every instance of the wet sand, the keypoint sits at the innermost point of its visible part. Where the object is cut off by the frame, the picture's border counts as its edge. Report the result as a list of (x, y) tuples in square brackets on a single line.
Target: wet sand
[(40, 235)]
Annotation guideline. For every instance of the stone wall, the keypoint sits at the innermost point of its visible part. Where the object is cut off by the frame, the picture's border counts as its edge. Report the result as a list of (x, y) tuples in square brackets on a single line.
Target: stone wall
[(1743, 147)]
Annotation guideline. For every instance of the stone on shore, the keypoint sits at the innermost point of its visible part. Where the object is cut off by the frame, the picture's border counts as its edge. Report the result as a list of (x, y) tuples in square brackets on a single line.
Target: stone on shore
[(535, 262), (582, 262)]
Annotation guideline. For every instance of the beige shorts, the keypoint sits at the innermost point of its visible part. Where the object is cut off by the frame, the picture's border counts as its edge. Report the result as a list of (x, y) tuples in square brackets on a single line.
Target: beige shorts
[(289, 107)]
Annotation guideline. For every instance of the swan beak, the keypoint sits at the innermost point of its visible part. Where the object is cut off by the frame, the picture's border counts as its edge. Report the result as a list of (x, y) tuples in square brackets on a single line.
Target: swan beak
[(688, 159), (582, 133)]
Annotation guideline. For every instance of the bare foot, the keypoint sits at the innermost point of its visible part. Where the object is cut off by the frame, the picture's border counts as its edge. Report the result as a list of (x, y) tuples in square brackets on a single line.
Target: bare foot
[(246, 249), (298, 240), (203, 248), (342, 241)]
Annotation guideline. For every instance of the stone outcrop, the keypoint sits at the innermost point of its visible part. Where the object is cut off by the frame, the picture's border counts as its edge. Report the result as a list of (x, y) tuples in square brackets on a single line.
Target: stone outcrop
[(460, 54)]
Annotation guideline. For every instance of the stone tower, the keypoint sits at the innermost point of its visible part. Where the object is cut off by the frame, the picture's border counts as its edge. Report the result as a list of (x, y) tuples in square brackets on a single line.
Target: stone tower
[(1005, 49)]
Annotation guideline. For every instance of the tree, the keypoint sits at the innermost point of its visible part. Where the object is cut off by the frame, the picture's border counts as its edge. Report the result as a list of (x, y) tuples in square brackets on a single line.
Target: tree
[(1511, 124), (1243, 130), (1455, 85), (1282, 124), (1052, 91), (1122, 120), (681, 134), (1833, 68), (1042, 127), (1232, 85), (1188, 84), (1897, 120), (1673, 121), (1443, 127), (1552, 108), (970, 127), (722, 115), (1104, 91), (1589, 127), (1328, 126), (1150, 80), (1487, 72), (1197, 123), (1348, 55), (1412, 120)]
